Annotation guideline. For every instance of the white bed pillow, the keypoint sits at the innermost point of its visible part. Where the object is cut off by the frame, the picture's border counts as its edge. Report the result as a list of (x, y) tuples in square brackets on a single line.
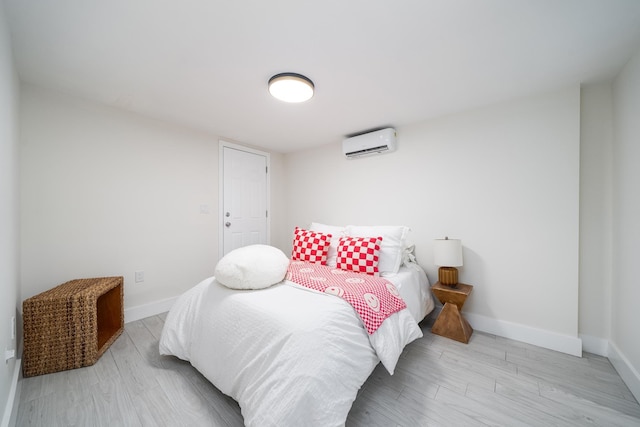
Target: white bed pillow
[(252, 267), (393, 244), (336, 233)]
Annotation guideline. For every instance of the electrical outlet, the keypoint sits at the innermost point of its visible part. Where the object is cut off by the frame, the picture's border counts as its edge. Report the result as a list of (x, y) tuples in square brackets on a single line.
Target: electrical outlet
[(139, 276), (8, 355)]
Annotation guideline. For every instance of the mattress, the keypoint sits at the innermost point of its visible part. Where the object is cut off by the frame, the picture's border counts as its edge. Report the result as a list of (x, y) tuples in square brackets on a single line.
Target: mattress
[(290, 356)]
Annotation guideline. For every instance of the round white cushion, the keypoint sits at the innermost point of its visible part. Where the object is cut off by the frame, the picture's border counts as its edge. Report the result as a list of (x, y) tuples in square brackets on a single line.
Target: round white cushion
[(252, 267)]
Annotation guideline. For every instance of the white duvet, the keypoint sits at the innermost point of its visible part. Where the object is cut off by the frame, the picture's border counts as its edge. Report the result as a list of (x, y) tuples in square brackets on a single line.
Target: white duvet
[(289, 356)]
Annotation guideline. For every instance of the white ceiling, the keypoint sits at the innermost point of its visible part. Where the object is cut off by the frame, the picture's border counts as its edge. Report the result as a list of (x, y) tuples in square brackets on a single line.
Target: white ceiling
[(206, 63)]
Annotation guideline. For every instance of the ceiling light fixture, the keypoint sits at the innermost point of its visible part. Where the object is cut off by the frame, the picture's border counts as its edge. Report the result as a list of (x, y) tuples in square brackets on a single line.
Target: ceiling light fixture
[(291, 87)]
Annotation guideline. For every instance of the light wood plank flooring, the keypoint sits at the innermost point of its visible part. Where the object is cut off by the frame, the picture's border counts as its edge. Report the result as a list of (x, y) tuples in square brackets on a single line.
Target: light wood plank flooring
[(438, 382)]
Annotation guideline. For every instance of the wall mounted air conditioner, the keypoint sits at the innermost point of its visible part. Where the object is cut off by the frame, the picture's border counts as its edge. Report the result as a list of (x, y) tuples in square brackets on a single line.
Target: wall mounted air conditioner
[(377, 142)]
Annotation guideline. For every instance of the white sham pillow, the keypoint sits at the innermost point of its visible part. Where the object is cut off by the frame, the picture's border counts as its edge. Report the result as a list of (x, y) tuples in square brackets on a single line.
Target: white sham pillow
[(336, 233), (252, 267), (392, 247)]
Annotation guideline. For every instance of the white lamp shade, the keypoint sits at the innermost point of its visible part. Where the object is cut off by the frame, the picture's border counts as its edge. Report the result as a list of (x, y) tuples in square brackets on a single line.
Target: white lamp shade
[(447, 252)]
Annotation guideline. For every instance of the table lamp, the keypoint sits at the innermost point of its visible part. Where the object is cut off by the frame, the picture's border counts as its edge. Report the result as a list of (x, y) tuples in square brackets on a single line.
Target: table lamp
[(447, 255)]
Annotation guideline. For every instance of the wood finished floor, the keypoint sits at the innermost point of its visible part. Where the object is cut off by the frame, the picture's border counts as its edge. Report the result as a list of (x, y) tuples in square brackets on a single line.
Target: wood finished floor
[(491, 381)]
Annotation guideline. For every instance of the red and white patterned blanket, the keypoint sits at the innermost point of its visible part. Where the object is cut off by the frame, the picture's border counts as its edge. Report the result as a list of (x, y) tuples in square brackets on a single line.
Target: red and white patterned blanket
[(373, 298)]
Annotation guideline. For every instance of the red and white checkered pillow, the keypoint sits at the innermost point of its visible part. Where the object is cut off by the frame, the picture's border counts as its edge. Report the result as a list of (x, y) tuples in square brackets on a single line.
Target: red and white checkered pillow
[(310, 246), (360, 254)]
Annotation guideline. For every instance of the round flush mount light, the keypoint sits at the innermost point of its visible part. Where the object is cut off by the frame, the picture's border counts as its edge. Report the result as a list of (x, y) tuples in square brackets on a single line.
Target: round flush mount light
[(291, 87)]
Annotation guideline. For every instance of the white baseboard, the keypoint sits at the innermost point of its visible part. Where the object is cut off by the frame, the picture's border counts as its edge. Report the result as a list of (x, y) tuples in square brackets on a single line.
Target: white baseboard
[(595, 345), (627, 372), (540, 337), (10, 409), (132, 314)]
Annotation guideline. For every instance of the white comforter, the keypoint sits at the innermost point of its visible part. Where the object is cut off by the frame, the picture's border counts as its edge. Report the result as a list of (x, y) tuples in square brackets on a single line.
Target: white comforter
[(289, 356)]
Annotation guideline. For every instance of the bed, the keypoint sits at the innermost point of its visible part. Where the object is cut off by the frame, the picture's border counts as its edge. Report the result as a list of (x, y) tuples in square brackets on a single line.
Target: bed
[(290, 355)]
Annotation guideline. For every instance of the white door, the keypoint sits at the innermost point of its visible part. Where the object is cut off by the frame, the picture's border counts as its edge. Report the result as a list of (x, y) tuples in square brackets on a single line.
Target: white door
[(244, 198)]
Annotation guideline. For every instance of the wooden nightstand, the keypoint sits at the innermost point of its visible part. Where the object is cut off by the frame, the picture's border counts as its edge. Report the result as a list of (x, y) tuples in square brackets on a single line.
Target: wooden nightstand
[(450, 322)]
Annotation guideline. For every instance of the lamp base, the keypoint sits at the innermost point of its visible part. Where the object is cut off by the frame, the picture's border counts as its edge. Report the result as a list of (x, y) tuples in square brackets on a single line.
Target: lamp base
[(448, 276)]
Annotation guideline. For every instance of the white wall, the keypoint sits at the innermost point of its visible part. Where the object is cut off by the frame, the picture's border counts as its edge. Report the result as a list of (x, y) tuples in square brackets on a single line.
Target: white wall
[(280, 234), (596, 145), (9, 271), (106, 192), (504, 179), (626, 225)]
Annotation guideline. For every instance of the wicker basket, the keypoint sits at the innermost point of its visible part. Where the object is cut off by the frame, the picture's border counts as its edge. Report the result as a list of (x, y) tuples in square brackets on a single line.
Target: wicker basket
[(71, 325)]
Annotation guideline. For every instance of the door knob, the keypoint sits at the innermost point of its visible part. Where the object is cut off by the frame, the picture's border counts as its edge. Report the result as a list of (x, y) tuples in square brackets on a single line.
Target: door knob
[(227, 224), (228, 214)]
